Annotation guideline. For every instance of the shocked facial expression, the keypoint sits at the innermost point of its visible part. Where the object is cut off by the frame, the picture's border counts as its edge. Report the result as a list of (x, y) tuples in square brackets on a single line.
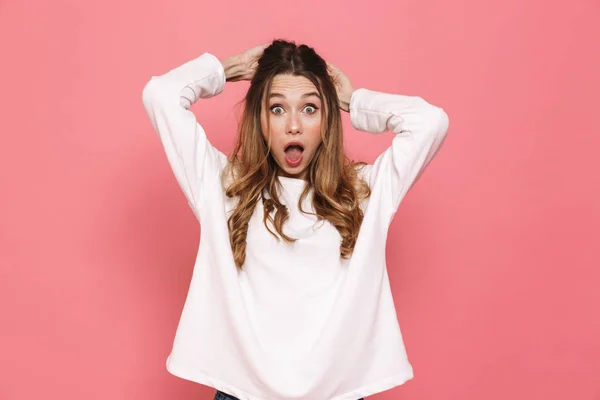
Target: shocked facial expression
[(295, 124)]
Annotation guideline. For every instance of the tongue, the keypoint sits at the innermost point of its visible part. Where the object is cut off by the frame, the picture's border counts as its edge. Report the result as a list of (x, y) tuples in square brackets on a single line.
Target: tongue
[(293, 153)]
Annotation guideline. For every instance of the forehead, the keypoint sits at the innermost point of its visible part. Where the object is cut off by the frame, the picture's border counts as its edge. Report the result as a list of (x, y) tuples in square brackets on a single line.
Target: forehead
[(292, 86)]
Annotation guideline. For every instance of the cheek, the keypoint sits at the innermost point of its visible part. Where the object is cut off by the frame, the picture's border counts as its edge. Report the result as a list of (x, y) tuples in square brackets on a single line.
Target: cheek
[(314, 133), (273, 132)]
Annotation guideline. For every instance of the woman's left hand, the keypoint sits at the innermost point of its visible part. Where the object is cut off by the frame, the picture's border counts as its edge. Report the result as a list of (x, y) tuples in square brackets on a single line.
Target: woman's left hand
[(343, 86)]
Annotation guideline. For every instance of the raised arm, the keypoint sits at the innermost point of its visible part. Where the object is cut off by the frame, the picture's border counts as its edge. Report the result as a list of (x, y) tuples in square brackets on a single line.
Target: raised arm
[(167, 99), (420, 129)]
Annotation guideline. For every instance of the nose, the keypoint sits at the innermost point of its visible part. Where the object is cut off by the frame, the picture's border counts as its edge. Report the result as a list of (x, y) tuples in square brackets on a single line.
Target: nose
[(293, 124)]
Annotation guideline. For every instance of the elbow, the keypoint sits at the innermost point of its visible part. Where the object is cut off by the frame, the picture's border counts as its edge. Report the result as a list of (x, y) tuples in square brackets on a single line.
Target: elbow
[(443, 122), (148, 92), (438, 121), (437, 118), (153, 92)]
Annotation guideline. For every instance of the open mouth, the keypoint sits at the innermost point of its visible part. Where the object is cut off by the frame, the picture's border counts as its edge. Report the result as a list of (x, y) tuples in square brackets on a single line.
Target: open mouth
[(293, 154)]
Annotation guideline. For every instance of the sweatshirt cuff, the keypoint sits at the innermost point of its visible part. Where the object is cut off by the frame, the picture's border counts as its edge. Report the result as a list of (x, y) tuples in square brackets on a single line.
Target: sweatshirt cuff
[(204, 74), (212, 69), (370, 110)]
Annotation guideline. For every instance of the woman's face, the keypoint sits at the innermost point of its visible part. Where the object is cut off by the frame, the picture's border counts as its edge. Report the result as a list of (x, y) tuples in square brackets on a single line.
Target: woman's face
[(295, 118)]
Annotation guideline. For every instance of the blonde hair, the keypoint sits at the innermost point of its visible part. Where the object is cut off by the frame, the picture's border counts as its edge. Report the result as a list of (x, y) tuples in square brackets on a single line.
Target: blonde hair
[(337, 189)]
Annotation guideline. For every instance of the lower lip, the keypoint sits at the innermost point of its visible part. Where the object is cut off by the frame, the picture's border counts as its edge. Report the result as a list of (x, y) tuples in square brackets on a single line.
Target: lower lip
[(294, 163)]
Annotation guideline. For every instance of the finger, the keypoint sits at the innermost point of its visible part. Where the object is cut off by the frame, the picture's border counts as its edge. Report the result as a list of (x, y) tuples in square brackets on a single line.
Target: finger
[(333, 71)]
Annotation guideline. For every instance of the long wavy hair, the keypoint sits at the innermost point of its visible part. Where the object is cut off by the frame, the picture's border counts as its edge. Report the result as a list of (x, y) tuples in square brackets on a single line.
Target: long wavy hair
[(337, 189)]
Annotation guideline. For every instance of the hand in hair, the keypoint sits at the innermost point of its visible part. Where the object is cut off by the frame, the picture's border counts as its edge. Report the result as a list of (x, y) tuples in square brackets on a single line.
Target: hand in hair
[(242, 67), (343, 86)]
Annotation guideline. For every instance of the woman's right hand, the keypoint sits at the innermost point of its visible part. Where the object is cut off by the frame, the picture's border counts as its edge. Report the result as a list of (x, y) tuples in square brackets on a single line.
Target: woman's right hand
[(242, 67)]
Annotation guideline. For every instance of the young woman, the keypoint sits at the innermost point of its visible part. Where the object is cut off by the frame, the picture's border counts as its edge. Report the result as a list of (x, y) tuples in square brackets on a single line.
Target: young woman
[(289, 297)]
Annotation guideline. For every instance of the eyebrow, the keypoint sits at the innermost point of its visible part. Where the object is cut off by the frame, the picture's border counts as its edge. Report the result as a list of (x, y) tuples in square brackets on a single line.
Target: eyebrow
[(303, 96)]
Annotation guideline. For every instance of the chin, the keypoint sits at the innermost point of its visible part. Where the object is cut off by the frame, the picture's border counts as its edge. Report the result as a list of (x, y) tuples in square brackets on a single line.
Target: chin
[(292, 172)]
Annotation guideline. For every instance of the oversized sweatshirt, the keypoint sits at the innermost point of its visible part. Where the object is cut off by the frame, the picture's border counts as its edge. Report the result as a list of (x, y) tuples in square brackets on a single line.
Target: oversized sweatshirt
[(297, 321)]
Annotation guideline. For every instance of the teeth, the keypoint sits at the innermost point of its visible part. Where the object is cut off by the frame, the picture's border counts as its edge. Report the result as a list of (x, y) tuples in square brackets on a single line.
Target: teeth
[(294, 145)]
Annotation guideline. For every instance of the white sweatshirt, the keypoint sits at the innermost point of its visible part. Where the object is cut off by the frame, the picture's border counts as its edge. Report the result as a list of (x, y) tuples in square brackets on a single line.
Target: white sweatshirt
[(298, 322)]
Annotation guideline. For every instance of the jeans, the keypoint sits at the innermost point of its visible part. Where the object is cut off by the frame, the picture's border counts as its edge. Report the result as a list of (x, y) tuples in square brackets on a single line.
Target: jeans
[(224, 396)]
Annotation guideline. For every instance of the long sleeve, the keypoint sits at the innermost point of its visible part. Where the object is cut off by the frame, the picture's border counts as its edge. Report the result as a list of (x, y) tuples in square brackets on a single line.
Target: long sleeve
[(167, 99), (420, 129)]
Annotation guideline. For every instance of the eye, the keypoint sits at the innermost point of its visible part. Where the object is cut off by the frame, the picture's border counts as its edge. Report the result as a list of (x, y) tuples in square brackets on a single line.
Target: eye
[(273, 108), (311, 107)]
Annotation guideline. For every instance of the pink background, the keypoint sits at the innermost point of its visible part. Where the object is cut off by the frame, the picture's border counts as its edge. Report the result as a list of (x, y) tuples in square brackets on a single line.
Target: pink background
[(491, 255)]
